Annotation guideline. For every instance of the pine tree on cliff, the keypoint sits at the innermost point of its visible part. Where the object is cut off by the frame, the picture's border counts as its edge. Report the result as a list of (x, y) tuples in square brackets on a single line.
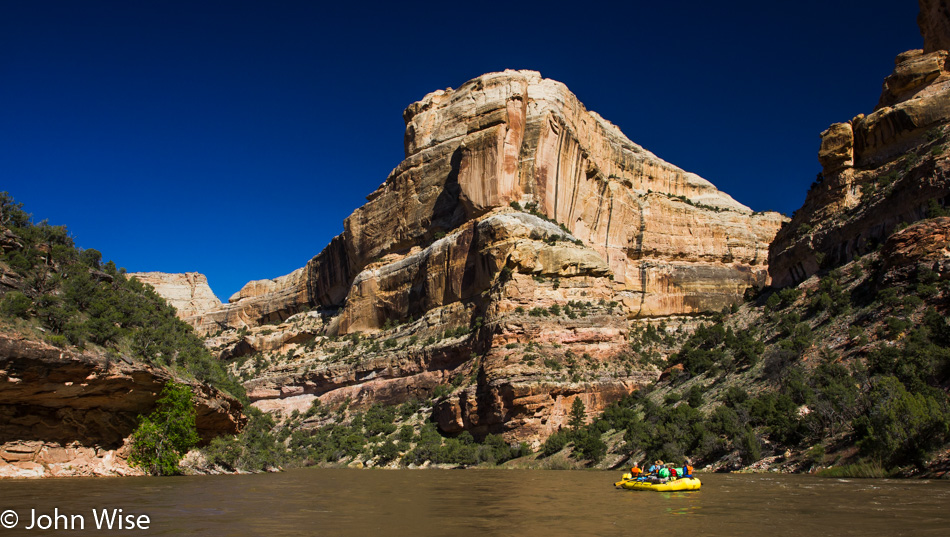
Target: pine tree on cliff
[(578, 415)]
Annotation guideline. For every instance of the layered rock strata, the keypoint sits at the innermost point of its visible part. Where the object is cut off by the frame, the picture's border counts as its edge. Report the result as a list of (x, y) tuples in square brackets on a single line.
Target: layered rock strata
[(923, 245), (670, 239), (879, 171), (505, 257), (64, 413)]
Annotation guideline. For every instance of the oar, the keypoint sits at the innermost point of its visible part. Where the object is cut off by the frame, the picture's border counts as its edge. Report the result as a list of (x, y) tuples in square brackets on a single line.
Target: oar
[(622, 481)]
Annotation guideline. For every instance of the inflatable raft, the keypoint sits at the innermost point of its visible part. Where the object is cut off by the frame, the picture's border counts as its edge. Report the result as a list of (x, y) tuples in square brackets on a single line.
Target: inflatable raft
[(685, 483)]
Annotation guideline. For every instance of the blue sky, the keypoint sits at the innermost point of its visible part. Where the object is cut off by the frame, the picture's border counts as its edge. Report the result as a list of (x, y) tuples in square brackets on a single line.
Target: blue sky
[(232, 138)]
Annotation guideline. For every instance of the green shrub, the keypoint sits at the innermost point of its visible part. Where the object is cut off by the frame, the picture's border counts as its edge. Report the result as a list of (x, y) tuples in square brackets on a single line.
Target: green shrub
[(387, 452), (556, 442), (860, 470), (163, 437), (441, 391), (779, 413), (588, 445), (694, 397), (495, 450), (934, 209), (901, 427), (725, 421), (255, 449), (750, 448), (15, 304), (815, 454), (734, 396)]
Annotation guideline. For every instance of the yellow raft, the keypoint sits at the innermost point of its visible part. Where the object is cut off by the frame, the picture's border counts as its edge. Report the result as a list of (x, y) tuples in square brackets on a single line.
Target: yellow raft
[(685, 483)]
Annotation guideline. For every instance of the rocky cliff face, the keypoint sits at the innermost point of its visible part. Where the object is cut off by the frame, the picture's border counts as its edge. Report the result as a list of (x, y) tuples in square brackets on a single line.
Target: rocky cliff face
[(506, 257), (881, 170), (934, 21), (64, 413), (189, 293), (673, 243)]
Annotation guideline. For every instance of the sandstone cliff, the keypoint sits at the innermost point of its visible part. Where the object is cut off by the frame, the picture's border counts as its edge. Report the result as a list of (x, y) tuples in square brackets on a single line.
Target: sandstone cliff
[(189, 293), (674, 244), (879, 171), (65, 413), (506, 257)]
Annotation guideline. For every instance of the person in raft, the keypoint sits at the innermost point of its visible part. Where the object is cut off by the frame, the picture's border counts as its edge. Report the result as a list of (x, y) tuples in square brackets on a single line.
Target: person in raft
[(635, 471), (687, 469), (652, 472)]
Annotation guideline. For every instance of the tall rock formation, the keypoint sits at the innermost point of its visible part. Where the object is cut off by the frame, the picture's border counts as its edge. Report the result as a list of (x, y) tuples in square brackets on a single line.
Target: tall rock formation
[(878, 171), (673, 243), (507, 257)]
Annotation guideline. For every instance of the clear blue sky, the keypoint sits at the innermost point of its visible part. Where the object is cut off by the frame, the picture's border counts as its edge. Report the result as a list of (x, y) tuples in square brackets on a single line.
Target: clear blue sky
[(232, 138)]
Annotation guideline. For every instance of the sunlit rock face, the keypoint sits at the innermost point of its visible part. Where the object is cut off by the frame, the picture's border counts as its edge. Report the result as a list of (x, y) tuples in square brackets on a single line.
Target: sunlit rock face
[(673, 242), (189, 293), (529, 229), (879, 171)]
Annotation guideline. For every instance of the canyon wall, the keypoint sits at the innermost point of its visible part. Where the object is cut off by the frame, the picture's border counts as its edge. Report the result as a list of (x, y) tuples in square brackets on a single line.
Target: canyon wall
[(673, 243), (880, 171), (508, 258)]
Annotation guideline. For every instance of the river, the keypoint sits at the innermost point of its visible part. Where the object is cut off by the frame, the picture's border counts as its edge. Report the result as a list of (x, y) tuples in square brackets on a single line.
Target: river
[(316, 502)]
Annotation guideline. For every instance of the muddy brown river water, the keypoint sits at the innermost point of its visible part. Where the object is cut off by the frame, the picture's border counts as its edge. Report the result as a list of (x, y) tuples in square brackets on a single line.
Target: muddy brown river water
[(317, 502)]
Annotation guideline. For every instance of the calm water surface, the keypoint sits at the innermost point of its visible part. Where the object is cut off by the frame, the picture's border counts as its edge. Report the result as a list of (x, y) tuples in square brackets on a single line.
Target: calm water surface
[(486, 502)]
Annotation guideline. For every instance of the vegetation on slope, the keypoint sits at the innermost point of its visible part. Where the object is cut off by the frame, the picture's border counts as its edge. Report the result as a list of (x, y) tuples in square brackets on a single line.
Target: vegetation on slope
[(381, 435), (839, 370), (69, 297)]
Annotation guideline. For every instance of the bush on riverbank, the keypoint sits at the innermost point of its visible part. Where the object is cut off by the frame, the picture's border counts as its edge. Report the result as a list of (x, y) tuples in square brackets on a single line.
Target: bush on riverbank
[(858, 470), (380, 435), (163, 438)]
